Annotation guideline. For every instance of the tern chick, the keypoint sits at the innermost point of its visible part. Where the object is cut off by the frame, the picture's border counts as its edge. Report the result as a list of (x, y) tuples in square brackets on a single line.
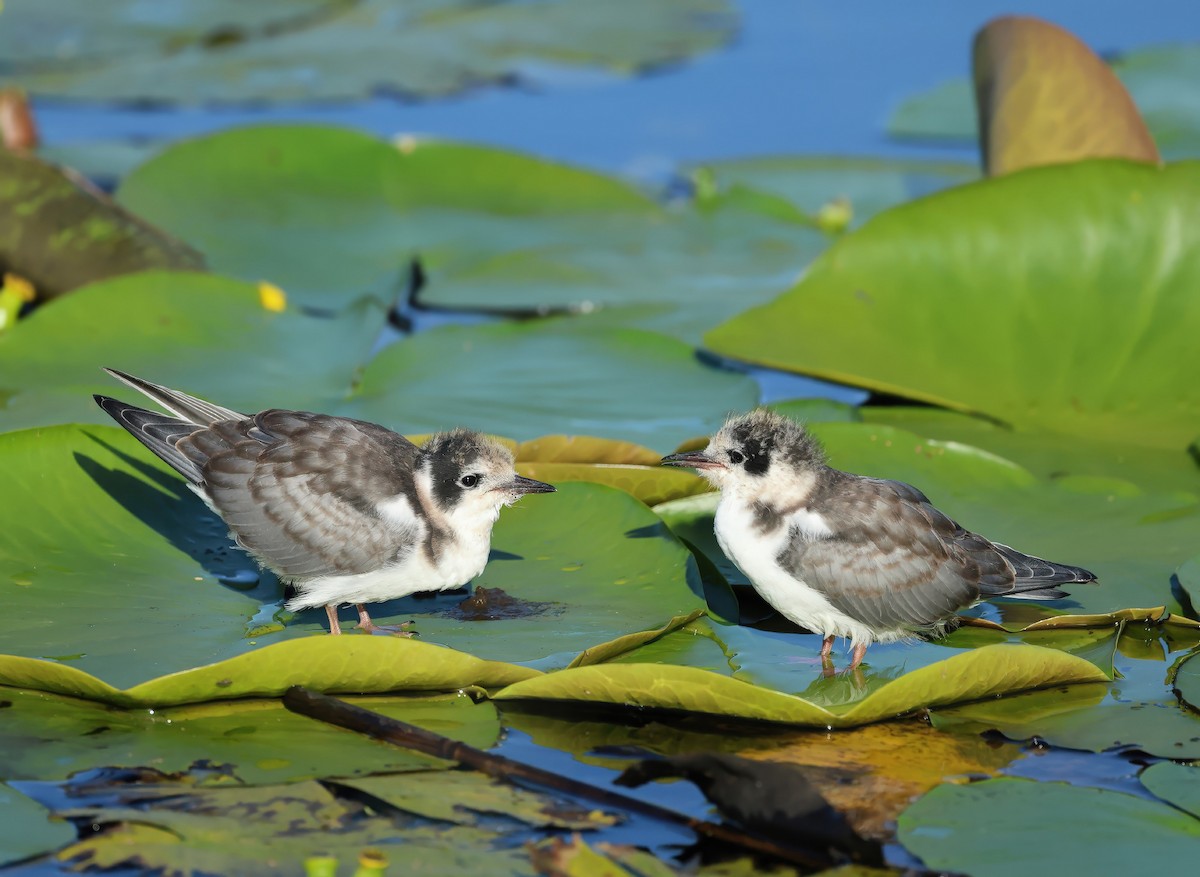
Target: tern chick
[(844, 555), (345, 510)]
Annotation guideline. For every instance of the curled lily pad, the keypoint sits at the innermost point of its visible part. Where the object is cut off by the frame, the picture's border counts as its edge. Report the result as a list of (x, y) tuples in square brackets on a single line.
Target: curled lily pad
[(992, 670), (1044, 97), (59, 233), (1159, 79), (326, 663), (1000, 247)]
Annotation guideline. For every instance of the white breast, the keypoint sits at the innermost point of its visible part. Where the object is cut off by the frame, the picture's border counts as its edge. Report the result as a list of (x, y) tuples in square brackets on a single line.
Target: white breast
[(755, 553)]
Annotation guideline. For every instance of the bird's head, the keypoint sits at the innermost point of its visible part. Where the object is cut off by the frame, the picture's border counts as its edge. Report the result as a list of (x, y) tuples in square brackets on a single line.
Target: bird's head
[(758, 453), (472, 476)]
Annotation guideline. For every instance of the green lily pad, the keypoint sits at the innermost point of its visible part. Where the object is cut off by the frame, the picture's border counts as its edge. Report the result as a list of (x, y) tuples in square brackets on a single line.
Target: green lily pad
[(1050, 456), (810, 183), (1177, 784), (984, 672), (1043, 240), (27, 829), (243, 831), (208, 335), (1160, 79), (680, 274), (201, 53), (1062, 829), (253, 742), (1187, 684), (329, 212), (525, 380)]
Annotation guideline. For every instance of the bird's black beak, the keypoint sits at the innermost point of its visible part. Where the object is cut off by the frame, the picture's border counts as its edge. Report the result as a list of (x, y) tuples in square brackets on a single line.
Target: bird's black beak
[(521, 485), (692, 460)]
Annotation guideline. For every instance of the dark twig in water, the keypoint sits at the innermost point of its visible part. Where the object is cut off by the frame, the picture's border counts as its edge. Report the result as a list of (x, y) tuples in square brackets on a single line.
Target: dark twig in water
[(337, 712)]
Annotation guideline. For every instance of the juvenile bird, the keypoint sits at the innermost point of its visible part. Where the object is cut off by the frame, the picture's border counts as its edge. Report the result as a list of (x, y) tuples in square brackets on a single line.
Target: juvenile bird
[(844, 555), (345, 510)]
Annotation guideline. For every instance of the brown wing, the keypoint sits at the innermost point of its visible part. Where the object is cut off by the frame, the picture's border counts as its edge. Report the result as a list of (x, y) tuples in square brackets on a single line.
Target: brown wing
[(894, 561), (301, 491)]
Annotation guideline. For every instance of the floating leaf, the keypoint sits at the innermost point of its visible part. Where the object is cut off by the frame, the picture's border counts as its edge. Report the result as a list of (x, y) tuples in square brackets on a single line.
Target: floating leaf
[(1044, 97), (206, 335), (49, 737), (1137, 710), (525, 380), (1174, 783), (321, 50), (971, 828), (999, 248), (984, 672), (808, 183), (330, 213), (1187, 684), (27, 829)]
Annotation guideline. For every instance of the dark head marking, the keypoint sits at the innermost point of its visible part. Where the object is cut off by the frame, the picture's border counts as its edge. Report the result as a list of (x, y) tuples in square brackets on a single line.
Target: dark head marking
[(458, 459), (762, 436)]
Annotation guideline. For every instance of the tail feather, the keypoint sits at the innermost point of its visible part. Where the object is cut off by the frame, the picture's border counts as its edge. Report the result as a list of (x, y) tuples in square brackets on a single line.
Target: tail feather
[(1036, 579), (159, 432), (182, 405)]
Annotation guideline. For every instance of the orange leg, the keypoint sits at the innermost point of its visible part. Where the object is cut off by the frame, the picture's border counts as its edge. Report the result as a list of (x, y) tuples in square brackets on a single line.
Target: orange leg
[(857, 656), (334, 628), (366, 624)]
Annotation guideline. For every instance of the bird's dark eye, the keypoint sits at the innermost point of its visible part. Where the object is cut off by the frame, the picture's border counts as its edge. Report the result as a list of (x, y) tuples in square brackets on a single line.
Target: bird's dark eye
[(468, 480), (736, 457)]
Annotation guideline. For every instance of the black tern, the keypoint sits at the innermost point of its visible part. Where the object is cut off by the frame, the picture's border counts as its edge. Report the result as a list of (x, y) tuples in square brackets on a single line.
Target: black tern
[(845, 555), (345, 510)]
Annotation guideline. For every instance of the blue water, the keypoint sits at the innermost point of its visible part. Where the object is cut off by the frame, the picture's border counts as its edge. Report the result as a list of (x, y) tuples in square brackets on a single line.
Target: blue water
[(801, 77)]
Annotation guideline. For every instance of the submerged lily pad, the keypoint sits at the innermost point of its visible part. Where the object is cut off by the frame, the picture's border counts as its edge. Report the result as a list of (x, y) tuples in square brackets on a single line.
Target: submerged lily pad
[(207, 335), (201, 52), (27, 829), (1177, 784), (50, 737), (971, 828), (237, 830), (1084, 246)]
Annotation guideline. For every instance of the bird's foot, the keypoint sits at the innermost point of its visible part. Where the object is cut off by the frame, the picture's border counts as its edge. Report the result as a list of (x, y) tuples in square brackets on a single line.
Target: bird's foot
[(387, 629)]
